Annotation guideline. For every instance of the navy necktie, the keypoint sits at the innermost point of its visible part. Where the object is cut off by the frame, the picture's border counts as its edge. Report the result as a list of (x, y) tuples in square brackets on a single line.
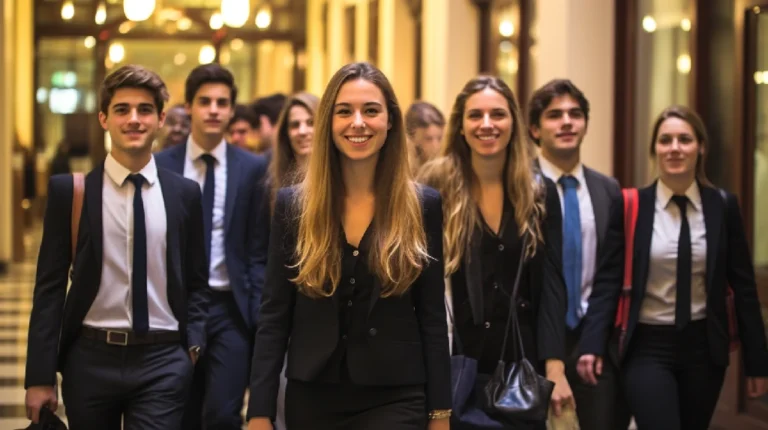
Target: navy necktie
[(572, 250), (139, 274), (683, 298), (208, 192)]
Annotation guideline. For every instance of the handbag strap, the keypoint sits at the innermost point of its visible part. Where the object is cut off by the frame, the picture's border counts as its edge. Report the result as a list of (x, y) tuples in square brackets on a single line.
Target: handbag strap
[(78, 191), (630, 199), (512, 315)]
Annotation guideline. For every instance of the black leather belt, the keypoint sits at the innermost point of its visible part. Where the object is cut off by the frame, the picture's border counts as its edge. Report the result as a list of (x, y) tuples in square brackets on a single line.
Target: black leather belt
[(128, 338)]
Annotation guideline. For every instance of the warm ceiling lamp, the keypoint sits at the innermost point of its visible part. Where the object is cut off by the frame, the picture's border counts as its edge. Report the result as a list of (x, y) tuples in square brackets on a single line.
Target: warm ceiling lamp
[(216, 21), (207, 54), (101, 14), (235, 12), (116, 52), (67, 10), (138, 10), (263, 18)]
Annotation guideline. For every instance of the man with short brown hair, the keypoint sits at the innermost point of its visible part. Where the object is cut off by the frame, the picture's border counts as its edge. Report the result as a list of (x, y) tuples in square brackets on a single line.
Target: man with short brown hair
[(127, 334)]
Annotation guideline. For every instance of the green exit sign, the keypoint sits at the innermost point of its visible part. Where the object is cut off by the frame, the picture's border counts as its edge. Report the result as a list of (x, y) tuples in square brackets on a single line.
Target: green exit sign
[(63, 79)]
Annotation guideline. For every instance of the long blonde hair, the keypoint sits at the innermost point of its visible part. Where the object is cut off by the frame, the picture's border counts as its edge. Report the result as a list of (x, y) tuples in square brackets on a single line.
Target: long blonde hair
[(452, 175), (398, 249), (283, 169)]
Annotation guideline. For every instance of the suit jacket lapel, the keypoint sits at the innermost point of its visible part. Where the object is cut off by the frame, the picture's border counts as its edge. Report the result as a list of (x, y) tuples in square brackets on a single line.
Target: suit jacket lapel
[(233, 178), (598, 194), (178, 155), (713, 206), (642, 251), (94, 184), (173, 218)]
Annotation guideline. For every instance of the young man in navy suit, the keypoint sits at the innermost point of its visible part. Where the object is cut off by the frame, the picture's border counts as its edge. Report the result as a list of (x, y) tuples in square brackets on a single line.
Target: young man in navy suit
[(558, 118), (235, 214), (126, 335)]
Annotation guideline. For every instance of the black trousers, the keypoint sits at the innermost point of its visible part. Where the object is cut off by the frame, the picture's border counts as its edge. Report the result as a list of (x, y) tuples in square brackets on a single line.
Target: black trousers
[(345, 406), (670, 380), (222, 374), (598, 407), (144, 387)]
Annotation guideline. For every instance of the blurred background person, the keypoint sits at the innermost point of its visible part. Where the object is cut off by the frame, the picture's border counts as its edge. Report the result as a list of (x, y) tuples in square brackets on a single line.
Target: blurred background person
[(295, 128), (267, 110), (424, 125), (177, 126), (241, 130)]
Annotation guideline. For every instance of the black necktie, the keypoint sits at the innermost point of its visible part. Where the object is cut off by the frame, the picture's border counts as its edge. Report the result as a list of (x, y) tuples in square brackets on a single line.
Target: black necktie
[(208, 192), (683, 300), (139, 275)]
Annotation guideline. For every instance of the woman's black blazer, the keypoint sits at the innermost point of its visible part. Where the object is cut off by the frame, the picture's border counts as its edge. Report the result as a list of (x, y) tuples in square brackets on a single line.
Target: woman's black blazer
[(728, 263), (543, 272), (406, 342)]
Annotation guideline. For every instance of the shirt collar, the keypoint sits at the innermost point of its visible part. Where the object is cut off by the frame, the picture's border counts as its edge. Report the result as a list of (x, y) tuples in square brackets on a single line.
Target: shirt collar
[(554, 173), (664, 194), (119, 173), (194, 151)]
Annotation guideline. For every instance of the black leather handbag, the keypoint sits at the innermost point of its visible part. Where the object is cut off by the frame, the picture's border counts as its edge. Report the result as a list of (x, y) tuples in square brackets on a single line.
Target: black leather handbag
[(514, 393), (516, 390)]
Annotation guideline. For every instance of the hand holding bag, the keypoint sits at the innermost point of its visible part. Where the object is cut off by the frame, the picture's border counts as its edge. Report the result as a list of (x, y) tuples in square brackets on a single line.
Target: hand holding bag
[(508, 396)]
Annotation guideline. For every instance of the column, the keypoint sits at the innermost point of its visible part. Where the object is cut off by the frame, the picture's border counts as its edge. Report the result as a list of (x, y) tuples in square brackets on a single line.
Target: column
[(576, 41), (397, 35), (6, 132), (315, 56), (450, 47), (335, 31)]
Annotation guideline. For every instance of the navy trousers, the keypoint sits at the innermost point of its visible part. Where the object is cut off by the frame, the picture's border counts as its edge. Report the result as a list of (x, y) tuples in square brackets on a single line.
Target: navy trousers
[(223, 372), (143, 387)]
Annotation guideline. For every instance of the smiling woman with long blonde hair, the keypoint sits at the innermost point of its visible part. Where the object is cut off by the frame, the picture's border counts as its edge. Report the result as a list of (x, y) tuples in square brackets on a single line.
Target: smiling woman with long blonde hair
[(491, 200), (355, 278)]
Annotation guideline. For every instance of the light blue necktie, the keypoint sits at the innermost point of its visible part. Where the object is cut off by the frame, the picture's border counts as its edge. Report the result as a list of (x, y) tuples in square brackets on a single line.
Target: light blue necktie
[(571, 249)]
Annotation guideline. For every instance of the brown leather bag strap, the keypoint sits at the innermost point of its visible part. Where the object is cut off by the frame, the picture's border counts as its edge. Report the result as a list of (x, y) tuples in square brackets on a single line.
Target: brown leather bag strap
[(78, 191)]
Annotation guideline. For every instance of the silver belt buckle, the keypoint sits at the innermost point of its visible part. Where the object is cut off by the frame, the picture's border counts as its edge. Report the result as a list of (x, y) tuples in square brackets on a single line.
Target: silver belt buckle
[(119, 338)]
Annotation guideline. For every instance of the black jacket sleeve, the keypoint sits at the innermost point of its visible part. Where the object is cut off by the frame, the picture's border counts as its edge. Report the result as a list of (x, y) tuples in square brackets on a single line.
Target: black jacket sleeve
[(196, 279), (609, 277), (50, 292), (276, 315), (429, 294), (553, 306), (741, 277)]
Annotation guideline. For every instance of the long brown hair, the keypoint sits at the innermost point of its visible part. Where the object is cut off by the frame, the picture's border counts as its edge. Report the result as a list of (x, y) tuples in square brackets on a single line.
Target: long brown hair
[(452, 175), (283, 169), (694, 120), (398, 249)]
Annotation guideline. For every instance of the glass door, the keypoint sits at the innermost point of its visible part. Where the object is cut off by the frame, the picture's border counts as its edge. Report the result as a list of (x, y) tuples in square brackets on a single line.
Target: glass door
[(756, 98)]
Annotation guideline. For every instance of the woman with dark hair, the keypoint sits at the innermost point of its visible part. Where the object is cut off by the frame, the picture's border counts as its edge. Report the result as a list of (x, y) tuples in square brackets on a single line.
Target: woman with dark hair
[(355, 278), (689, 247), (492, 198)]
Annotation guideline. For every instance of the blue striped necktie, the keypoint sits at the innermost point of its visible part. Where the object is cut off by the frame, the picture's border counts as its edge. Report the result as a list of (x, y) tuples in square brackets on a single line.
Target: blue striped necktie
[(572, 249)]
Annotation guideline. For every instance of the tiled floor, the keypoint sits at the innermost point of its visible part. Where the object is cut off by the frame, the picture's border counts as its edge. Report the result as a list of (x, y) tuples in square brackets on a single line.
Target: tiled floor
[(15, 304)]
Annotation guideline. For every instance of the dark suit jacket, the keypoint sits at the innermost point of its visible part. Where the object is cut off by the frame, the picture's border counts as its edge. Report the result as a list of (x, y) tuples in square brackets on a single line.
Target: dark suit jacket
[(407, 342), (246, 224), (602, 191), (728, 263), (54, 325)]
